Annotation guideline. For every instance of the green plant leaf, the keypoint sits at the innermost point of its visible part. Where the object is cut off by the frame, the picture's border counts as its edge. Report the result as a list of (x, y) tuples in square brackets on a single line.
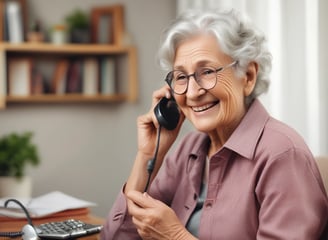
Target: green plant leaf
[(16, 152)]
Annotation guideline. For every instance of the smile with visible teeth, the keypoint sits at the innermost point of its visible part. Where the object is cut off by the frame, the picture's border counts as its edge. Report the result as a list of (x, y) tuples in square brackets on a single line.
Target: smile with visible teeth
[(204, 107)]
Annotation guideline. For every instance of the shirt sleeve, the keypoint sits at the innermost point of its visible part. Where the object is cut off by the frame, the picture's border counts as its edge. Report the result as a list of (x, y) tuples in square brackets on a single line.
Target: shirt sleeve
[(118, 224), (293, 202)]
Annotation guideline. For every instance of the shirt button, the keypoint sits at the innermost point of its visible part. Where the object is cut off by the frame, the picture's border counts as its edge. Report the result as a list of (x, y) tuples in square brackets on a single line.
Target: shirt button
[(208, 205), (195, 196)]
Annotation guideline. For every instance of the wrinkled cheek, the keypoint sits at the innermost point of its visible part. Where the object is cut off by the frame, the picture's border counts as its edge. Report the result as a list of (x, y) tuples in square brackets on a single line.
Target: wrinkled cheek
[(230, 99), (228, 109), (224, 114)]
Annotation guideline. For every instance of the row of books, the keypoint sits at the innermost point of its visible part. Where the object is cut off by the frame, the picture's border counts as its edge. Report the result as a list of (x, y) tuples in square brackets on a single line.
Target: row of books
[(87, 76)]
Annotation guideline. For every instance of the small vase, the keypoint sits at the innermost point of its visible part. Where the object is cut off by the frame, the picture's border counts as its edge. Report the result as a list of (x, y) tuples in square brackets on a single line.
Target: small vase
[(58, 34), (15, 187)]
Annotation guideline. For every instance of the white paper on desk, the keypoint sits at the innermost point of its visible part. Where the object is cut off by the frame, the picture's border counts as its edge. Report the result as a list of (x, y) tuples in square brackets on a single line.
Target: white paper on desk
[(44, 205)]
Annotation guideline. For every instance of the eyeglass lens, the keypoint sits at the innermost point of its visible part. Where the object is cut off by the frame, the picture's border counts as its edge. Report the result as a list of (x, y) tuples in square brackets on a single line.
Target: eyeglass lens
[(205, 77)]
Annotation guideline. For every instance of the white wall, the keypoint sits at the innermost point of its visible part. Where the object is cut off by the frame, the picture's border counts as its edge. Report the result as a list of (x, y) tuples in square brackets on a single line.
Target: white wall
[(87, 149), (323, 75)]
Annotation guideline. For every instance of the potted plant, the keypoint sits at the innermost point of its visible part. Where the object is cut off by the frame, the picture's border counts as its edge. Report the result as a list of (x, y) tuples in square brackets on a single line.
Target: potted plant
[(35, 33), (16, 152), (78, 25)]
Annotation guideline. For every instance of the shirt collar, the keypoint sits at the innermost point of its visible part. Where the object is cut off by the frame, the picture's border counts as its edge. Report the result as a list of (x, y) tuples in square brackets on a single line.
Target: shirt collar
[(246, 136)]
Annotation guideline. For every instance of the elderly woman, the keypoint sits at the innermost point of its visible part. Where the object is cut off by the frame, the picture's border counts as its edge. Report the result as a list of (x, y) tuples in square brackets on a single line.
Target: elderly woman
[(242, 174)]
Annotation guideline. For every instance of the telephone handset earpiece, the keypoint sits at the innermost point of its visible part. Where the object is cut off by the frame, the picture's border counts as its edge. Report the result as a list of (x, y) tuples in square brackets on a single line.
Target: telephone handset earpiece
[(167, 113)]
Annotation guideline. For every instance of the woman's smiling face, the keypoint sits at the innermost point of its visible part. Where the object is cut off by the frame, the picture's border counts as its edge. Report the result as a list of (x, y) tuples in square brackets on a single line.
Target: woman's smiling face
[(222, 107)]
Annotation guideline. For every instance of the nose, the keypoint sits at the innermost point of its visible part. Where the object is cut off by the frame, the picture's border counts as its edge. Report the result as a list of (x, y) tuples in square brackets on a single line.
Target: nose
[(193, 87)]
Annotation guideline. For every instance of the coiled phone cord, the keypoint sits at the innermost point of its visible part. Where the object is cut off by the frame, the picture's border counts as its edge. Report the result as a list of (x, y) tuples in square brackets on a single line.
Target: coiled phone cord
[(29, 219), (152, 162), (11, 234)]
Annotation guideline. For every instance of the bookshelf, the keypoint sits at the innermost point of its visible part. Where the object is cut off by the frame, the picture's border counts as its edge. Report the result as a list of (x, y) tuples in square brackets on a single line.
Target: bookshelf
[(125, 77)]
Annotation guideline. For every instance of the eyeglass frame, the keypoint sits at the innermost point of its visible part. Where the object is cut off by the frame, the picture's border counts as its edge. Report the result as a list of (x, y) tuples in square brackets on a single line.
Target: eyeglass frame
[(220, 69)]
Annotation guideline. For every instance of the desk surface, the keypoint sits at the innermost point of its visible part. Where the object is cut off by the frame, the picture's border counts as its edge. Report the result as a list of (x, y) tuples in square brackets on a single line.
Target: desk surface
[(13, 225)]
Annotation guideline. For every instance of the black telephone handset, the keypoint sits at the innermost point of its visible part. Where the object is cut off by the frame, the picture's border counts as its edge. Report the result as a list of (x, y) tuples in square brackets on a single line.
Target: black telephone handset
[(167, 113)]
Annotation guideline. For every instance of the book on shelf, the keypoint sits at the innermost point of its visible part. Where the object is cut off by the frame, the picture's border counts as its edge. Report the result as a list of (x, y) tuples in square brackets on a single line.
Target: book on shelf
[(2, 21), (37, 82), (14, 22), (74, 77), (90, 84), (108, 76), (59, 79), (19, 76)]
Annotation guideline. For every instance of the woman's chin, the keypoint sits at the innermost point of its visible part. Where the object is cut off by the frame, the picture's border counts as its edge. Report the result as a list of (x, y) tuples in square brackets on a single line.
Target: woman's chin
[(204, 126)]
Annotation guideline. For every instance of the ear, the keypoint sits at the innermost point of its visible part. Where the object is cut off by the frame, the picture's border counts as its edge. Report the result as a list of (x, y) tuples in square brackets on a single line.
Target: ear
[(250, 78)]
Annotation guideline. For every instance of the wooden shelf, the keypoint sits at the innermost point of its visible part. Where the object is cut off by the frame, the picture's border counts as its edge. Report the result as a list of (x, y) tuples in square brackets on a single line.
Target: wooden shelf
[(65, 48), (70, 72), (36, 50), (48, 98)]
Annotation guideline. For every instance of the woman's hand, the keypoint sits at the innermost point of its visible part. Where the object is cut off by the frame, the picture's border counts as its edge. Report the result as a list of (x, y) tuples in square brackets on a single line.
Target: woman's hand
[(154, 219), (147, 138), (147, 128)]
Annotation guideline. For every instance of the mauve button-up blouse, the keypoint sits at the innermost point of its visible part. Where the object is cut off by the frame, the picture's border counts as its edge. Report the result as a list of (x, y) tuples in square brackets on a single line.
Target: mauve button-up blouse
[(263, 184)]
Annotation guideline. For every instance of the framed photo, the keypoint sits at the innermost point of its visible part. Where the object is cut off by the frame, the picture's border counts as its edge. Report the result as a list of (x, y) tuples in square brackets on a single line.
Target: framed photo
[(107, 26), (13, 20)]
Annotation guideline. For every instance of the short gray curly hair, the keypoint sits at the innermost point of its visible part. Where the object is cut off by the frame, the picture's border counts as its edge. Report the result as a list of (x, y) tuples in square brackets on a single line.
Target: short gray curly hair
[(235, 33)]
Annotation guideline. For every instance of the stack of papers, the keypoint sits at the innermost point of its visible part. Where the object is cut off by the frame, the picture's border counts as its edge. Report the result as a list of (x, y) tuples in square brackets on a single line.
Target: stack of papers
[(42, 206)]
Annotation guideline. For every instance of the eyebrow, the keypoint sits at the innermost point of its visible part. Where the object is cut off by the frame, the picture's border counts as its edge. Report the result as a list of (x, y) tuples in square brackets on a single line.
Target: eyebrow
[(199, 64)]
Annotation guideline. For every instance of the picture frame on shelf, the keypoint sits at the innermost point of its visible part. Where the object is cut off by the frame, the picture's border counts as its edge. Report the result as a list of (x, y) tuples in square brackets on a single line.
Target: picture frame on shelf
[(13, 20), (107, 25)]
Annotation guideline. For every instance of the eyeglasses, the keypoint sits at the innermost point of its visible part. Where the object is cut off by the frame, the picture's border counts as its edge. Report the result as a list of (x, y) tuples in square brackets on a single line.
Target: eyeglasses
[(206, 77)]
